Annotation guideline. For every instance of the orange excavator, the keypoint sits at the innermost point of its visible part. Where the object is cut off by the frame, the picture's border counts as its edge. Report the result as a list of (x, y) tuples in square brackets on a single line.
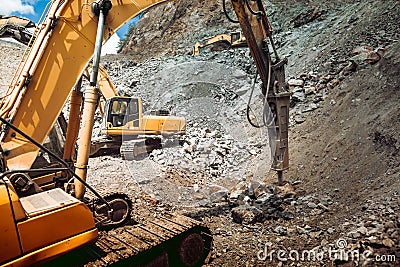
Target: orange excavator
[(45, 215)]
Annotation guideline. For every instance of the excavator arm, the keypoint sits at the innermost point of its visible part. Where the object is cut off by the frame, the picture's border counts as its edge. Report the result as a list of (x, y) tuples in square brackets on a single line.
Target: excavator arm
[(257, 29)]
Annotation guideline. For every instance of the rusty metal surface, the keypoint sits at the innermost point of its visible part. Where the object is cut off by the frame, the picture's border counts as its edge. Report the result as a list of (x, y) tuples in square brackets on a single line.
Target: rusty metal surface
[(163, 241)]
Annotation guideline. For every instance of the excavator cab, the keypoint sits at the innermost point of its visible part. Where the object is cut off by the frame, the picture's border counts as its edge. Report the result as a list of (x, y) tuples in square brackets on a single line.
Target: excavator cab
[(236, 36), (122, 112)]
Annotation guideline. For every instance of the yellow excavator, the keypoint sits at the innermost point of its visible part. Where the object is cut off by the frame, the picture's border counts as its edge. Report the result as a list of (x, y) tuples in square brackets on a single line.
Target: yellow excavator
[(125, 126), (45, 217), (125, 118), (221, 41)]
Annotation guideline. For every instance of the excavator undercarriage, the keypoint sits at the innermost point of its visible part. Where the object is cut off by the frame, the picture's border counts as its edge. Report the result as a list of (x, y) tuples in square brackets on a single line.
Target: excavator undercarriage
[(168, 240), (162, 240)]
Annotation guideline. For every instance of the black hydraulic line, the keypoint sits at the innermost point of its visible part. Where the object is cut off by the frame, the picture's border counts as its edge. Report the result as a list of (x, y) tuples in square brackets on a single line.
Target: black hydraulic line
[(33, 141), (251, 10), (226, 13), (248, 104), (33, 170)]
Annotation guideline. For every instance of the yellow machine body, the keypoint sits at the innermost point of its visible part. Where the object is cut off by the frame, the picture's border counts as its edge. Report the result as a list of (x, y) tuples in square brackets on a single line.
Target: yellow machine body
[(42, 85), (124, 116), (41, 226), (232, 40)]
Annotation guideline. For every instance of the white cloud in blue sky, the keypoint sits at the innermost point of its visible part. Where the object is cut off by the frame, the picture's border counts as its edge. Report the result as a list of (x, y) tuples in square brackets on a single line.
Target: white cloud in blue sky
[(11, 6), (111, 46)]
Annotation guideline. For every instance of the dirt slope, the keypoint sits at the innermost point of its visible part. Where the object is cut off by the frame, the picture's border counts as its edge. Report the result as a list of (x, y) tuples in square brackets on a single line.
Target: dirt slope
[(350, 147)]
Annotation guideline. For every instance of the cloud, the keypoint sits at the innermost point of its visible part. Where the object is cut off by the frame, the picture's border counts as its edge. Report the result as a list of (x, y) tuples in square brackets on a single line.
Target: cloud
[(9, 6), (111, 46)]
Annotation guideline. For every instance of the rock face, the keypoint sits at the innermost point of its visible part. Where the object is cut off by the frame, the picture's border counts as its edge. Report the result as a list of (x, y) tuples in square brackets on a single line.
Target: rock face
[(173, 28)]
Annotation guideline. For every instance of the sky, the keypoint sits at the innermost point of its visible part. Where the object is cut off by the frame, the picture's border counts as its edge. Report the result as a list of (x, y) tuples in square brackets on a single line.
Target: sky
[(33, 9)]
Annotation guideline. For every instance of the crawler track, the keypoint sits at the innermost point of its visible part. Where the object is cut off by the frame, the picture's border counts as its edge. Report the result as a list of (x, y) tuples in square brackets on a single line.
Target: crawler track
[(170, 240), (135, 149)]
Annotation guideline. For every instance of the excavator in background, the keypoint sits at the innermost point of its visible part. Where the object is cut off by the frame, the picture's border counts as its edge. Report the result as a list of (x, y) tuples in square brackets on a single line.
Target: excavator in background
[(126, 127), (122, 116), (221, 41), (45, 214), (17, 28)]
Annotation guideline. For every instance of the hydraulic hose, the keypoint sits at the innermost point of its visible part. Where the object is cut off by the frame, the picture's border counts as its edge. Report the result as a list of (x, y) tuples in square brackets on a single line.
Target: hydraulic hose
[(226, 13), (267, 120), (251, 10)]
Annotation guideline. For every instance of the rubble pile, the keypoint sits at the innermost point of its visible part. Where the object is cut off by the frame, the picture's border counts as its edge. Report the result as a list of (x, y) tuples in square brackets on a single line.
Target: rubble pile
[(206, 151), (378, 231)]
